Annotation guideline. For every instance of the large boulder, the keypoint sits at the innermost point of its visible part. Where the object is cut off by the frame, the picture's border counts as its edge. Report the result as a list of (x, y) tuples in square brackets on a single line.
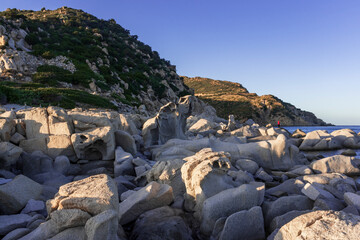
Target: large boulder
[(59, 145), (244, 225), (98, 144), (337, 164), (53, 145), (59, 122), (167, 126), (35, 163), (126, 141), (89, 120), (127, 125), (169, 123), (204, 175), (152, 196), (14, 195), (7, 126), (161, 223), (169, 172), (322, 140), (102, 226), (9, 154), (59, 221), (284, 205), (277, 154), (229, 202), (203, 125), (94, 195), (123, 163), (9, 223), (36, 121), (246, 131), (75, 233), (281, 220), (324, 224)]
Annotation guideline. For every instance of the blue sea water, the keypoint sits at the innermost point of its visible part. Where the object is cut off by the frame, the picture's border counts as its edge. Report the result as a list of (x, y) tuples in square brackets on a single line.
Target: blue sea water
[(329, 129)]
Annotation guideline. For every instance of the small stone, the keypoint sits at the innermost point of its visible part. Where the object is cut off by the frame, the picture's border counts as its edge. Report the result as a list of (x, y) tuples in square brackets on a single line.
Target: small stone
[(262, 175), (33, 206), (313, 192)]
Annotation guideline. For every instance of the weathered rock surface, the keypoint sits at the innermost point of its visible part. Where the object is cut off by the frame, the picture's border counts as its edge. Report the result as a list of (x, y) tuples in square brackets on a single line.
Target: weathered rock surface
[(9, 223), (68, 218), (125, 141), (322, 140), (230, 201), (281, 220), (244, 225), (14, 195), (36, 121), (152, 196), (204, 175), (161, 223), (76, 233), (169, 172), (284, 205), (94, 195), (9, 154), (102, 226), (352, 199), (123, 163), (98, 144), (6, 128), (337, 164), (324, 224)]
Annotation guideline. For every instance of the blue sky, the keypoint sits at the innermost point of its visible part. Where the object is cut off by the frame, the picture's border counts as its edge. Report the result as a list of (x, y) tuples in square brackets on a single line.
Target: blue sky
[(305, 52)]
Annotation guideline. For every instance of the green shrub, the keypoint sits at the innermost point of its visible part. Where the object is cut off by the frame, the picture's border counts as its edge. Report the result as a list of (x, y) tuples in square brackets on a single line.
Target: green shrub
[(51, 75)]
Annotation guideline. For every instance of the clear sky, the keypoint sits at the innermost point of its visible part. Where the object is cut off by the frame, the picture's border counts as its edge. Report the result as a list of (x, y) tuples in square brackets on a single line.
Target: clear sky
[(306, 52)]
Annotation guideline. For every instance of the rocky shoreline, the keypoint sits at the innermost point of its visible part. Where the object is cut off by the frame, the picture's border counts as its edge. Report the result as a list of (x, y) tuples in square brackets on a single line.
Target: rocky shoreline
[(183, 174)]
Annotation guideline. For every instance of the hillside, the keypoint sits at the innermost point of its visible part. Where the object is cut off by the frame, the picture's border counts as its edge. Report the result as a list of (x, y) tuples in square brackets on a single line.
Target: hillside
[(232, 98), (69, 58)]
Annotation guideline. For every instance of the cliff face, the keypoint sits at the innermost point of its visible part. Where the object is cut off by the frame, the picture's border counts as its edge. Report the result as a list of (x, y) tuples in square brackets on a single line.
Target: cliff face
[(232, 98), (69, 58)]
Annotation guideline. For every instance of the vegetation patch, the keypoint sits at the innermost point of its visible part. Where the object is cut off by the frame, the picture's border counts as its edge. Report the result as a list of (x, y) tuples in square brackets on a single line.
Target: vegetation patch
[(35, 94)]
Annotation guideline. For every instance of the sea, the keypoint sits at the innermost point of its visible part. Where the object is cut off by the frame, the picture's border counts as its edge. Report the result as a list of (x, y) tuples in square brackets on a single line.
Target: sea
[(329, 129)]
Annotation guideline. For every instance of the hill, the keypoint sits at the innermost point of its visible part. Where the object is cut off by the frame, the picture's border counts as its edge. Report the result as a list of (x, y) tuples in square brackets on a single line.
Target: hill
[(232, 98), (70, 58)]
